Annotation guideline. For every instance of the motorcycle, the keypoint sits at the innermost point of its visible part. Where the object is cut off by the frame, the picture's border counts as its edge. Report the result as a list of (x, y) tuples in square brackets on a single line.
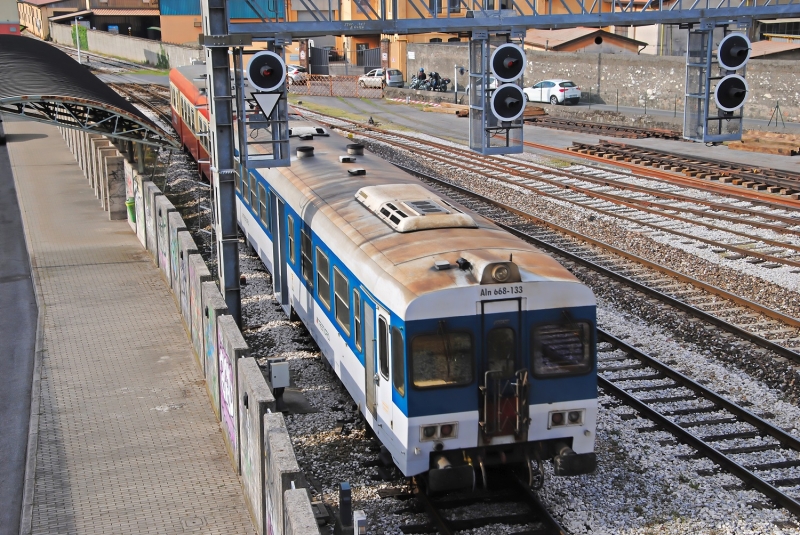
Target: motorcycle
[(422, 85), (438, 83)]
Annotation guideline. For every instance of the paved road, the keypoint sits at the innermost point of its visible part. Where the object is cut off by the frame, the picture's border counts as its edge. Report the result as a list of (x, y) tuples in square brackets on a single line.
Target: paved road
[(17, 335)]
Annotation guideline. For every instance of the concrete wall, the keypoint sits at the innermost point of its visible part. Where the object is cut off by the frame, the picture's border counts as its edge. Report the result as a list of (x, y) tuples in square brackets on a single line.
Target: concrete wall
[(139, 195), (213, 307), (163, 209), (145, 51), (198, 274), (176, 225), (281, 470), (151, 194), (187, 248), (231, 348), (255, 400), (633, 80)]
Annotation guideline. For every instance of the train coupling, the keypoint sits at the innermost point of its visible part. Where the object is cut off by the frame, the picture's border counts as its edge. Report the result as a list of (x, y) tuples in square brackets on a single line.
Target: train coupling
[(447, 477), (568, 463)]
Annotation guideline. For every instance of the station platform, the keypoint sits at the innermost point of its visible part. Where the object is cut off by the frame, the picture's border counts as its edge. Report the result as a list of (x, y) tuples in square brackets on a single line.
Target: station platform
[(125, 440)]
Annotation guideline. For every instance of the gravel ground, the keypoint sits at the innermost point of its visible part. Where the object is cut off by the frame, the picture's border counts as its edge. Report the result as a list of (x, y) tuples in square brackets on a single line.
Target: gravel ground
[(642, 485)]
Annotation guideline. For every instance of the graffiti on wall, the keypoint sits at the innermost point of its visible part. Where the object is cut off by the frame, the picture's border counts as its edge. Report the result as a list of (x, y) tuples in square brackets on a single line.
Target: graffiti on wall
[(212, 372), (227, 403)]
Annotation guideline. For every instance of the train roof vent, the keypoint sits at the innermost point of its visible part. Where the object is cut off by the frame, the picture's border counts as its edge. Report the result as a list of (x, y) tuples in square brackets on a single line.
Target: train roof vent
[(300, 131), (410, 207)]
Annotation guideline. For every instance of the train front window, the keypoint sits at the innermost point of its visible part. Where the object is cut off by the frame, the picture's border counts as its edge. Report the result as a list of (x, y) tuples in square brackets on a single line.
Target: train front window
[(442, 359), (501, 350), (561, 349)]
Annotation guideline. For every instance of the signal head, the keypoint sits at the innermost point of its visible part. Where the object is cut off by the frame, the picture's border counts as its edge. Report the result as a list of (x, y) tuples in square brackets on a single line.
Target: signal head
[(266, 71), (508, 62), (733, 52), (508, 102), (731, 93)]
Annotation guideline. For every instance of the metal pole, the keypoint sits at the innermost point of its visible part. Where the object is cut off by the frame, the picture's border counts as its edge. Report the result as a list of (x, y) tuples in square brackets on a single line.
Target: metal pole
[(78, 39), (617, 100), (455, 84)]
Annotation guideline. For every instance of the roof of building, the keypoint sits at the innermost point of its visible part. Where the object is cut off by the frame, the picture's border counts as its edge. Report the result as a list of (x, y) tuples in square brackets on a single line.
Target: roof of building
[(767, 48), (43, 83), (126, 12), (70, 15), (555, 39), (41, 2)]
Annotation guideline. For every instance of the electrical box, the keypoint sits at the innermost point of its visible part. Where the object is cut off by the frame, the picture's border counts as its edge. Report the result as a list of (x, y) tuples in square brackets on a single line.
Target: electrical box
[(278, 373), (359, 523)]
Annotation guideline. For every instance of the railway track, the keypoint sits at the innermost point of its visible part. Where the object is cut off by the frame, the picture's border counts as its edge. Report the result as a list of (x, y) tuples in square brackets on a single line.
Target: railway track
[(152, 96), (774, 181), (509, 501), (725, 432), (591, 127)]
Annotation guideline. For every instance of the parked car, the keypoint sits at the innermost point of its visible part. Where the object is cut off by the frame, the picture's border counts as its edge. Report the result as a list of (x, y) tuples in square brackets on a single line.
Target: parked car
[(380, 78), (295, 74), (554, 91), (492, 85)]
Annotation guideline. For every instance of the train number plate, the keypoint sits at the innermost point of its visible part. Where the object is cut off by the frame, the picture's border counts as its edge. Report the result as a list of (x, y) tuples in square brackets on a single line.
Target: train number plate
[(502, 290)]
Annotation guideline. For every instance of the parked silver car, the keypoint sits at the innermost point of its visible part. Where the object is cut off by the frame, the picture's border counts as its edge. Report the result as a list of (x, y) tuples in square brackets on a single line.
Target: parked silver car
[(380, 78)]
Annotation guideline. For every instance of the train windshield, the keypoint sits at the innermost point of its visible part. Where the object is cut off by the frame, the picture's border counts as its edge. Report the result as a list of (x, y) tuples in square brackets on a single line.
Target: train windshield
[(561, 349), (442, 359)]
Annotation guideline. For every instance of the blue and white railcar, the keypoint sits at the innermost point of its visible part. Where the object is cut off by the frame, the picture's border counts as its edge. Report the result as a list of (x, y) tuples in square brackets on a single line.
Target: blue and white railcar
[(463, 346)]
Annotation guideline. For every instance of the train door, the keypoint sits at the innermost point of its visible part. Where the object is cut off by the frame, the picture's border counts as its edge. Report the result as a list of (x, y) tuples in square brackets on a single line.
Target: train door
[(384, 385), (371, 378), (504, 379), (279, 282)]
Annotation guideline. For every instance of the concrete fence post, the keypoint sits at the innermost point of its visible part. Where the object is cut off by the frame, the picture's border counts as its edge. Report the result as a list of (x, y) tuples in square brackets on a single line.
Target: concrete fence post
[(231, 347), (198, 274), (151, 195), (281, 471), (114, 171), (214, 306), (163, 209), (176, 225), (187, 248)]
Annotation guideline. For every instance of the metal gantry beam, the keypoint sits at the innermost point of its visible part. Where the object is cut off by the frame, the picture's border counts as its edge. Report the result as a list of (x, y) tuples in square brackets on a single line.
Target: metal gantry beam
[(457, 16)]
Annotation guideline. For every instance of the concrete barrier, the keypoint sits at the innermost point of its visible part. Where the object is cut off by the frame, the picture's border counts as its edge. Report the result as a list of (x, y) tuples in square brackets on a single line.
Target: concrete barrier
[(187, 248), (163, 209), (176, 225), (298, 516), (213, 307), (151, 194), (91, 149), (99, 173), (231, 347), (139, 198), (198, 274), (114, 171), (143, 51), (255, 398), (281, 471)]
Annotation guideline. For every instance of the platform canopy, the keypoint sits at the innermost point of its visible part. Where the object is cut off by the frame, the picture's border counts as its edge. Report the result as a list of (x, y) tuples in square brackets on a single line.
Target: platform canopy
[(44, 84)]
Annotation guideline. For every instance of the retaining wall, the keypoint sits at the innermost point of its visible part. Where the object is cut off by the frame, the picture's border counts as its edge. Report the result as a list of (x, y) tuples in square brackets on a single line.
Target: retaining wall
[(144, 51), (259, 446), (654, 81)]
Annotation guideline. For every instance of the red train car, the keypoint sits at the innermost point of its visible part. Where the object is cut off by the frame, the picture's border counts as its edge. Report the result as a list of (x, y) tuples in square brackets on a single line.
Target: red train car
[(190, 113)]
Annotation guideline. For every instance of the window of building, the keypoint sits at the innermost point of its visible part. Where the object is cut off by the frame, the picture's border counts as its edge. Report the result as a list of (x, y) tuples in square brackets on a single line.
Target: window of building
[(323, 279)]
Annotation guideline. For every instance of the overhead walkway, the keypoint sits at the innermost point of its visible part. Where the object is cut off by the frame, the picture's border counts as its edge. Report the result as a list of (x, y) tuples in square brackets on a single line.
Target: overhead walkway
[(42, 83)]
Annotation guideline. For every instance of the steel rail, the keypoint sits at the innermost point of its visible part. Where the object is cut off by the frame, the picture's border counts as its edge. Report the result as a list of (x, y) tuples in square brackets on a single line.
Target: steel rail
[(680, 305)]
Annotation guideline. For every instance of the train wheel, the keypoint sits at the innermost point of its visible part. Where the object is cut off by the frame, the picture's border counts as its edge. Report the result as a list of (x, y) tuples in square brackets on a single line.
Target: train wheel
[(535, 471)]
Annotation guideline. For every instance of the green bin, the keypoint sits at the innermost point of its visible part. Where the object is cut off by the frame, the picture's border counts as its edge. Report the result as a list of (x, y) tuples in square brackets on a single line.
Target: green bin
[(130, 204)]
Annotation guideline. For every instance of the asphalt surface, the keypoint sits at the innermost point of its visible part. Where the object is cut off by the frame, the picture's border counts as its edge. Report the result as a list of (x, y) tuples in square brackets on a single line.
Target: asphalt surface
[(18, 314)]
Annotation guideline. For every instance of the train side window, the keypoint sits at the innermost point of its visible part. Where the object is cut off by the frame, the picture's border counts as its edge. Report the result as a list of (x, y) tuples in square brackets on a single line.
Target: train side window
[(357, 317), (262, 199), (290, 235), (238, 182), (383, 351), (398, 362), (341, 305), (253, 192), (305, 257), (323, 279), (246, 189)]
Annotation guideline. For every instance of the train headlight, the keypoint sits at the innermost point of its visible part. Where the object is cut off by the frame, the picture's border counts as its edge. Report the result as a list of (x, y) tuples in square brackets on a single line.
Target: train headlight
[(556, 419), (428, 432), (575, 417), (448, 430), (501, 273)]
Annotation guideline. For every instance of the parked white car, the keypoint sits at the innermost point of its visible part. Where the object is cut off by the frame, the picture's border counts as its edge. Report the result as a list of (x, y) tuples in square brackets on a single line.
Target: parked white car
[(554, 91)]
